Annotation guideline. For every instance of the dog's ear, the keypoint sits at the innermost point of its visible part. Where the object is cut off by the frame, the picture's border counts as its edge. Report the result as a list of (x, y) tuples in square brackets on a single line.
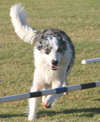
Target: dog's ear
[(39, 45), (64, 42)]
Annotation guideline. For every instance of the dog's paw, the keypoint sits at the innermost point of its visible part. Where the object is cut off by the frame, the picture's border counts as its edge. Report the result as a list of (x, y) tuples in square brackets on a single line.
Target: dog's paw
[(65, 93), (46, 105), (30, 117)]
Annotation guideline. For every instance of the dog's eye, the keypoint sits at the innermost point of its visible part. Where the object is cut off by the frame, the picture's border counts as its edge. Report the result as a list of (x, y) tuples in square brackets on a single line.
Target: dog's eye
[(59, 50), (47, 51)]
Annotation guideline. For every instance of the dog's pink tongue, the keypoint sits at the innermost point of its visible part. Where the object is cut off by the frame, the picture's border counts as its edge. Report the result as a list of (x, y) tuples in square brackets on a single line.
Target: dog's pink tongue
[(53, 67)]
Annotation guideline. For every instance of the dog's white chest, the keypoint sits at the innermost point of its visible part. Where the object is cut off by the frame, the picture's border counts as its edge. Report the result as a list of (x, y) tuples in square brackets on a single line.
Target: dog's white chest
[(49, 76)]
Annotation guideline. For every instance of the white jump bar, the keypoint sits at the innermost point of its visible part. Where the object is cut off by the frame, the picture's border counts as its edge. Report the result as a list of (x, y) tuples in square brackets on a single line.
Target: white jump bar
[(90, 60), (49, 91)]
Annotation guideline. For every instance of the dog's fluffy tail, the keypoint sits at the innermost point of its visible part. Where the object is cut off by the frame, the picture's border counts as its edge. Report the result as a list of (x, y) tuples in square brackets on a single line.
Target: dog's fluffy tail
[(18, 19)]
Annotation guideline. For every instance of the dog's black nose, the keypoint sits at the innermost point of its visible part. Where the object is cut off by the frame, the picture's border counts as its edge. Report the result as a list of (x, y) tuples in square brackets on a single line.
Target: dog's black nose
[(54, 62)]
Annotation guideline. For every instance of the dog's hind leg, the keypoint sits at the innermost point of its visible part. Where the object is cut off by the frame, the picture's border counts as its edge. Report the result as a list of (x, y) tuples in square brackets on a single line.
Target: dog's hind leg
[(65, 84)]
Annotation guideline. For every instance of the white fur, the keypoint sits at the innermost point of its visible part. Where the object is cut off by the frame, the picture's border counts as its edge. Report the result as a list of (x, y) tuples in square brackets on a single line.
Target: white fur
[(43, 75)]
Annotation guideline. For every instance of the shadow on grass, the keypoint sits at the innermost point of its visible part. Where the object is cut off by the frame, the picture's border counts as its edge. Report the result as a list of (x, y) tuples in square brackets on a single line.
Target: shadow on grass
[(87, 112), (10, 115), (96, 99)]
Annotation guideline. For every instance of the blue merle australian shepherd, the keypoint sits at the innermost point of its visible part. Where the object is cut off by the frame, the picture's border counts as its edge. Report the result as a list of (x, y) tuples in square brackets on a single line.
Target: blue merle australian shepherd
[(54, 56)]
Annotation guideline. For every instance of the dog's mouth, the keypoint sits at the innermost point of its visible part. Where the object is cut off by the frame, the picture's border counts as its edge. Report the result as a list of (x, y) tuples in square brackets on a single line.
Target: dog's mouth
[(53, 67)]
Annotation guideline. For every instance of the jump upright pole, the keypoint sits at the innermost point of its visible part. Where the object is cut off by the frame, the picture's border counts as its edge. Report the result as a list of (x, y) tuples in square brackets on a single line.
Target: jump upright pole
[(50, 91)]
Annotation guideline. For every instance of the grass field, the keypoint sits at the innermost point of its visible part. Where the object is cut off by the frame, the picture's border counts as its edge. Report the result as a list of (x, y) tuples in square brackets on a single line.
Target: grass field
[(80, 19)]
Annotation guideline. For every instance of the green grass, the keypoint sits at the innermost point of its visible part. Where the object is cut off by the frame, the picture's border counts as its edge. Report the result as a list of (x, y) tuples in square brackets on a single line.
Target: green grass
[(80, 19)]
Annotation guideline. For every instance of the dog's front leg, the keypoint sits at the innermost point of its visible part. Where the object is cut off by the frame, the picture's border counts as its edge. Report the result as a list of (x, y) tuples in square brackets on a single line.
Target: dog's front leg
[(56, 83), (51, 99), (33, 102)]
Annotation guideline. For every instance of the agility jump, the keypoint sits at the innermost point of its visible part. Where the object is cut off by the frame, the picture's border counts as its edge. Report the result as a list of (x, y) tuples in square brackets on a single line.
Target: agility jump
[(50, 91)]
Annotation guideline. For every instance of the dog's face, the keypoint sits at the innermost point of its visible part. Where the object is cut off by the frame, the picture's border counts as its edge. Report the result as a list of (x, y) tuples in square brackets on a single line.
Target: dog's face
[(52, 48)]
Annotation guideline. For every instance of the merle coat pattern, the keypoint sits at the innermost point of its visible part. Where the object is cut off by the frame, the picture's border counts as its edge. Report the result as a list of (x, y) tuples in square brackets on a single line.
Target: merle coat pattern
[(54, 56)]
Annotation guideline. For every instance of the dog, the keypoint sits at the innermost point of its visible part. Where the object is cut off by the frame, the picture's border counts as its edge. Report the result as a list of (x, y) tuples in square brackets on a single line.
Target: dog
[(54, 56)]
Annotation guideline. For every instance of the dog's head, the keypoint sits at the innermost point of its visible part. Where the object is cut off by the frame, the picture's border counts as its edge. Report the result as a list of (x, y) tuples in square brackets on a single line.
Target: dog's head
[(52, 47)]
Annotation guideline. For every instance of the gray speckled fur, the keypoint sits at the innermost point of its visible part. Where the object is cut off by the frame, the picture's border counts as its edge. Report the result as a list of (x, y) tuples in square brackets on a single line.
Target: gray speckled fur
[(60, 35), (43, 41)]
